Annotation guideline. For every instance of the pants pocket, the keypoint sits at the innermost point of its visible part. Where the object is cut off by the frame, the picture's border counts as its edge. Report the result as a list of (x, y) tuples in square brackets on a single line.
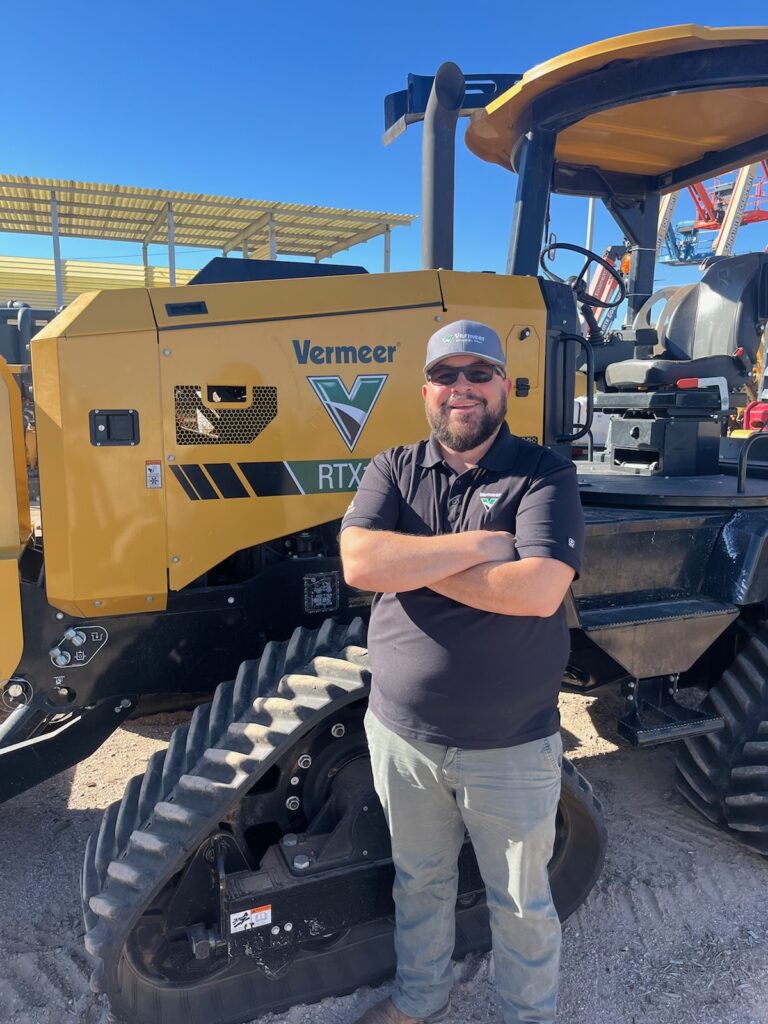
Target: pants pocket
[(553, 750)]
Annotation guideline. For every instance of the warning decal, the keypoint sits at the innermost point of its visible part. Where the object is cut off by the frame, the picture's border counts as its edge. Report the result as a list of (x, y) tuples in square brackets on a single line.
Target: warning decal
[(244, 920), (154, 474)]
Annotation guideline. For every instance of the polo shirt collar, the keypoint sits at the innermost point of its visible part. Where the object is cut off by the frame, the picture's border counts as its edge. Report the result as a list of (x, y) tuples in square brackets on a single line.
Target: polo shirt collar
[(432, 454), (502, 452), (498, 457)]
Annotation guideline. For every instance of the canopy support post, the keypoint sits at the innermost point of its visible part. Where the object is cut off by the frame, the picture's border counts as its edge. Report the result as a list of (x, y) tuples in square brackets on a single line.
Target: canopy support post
[(590, 222), (640, 224), (171, 248), (57, 251), (528, 224)]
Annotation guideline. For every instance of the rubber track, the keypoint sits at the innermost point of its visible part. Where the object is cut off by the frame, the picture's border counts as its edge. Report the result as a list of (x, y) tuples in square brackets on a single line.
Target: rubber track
[(724, 775), (164, 815)]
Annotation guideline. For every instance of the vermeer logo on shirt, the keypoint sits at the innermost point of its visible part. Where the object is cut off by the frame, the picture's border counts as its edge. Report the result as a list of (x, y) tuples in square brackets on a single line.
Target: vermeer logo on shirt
[(349, 410), (489, 500)]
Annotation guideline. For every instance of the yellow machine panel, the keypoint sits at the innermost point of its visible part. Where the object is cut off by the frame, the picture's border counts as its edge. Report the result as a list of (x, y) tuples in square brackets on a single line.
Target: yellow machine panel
[(259, 405), (15, 524), (11, 631), (104, 518), (493, 299), (260, 301)]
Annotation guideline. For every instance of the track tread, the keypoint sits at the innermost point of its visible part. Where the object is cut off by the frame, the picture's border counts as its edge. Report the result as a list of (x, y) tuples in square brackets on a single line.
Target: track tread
[(187, 789), (104, 847), (698, 779), (757, 749), (724, 775)]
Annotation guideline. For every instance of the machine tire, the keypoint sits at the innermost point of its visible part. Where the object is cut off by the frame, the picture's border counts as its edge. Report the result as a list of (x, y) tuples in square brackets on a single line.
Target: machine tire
[(724, 775), (117, 869)]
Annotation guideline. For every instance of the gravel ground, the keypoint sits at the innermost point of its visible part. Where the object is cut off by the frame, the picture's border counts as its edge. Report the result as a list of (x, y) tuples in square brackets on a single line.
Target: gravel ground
[(675, 930)]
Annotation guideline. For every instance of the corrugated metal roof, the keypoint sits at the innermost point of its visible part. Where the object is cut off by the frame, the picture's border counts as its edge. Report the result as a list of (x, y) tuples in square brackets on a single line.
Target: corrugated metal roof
[(33, 280), (126, 214)]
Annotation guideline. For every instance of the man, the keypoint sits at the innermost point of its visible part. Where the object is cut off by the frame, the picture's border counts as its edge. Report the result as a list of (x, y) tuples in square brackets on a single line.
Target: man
[(471, 540)]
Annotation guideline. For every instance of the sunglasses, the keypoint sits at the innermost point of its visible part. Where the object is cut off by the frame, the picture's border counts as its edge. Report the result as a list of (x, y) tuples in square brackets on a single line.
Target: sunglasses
[(478, 373)]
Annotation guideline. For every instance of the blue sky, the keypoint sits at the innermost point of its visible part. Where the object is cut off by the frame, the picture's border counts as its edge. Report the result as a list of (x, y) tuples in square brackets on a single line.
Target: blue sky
[(284, 102)]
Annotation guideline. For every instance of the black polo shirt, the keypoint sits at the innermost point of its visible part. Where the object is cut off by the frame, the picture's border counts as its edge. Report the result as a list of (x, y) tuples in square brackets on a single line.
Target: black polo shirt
[(444, 672)]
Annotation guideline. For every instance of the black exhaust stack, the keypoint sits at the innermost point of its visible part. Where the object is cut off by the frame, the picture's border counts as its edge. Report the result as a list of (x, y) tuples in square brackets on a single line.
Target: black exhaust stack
[(438, 155)]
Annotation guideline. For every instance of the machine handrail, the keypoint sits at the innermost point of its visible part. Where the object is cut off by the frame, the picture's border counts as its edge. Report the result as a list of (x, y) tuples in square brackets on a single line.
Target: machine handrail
[(590, 412), (741, 485)]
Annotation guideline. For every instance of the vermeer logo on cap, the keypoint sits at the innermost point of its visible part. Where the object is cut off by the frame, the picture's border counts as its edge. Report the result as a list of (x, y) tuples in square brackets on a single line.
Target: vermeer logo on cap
[(464, 336), (489, 500)]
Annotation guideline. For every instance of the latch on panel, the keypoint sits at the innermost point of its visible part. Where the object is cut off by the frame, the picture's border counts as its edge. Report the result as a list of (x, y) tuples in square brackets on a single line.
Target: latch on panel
[(114, 427)]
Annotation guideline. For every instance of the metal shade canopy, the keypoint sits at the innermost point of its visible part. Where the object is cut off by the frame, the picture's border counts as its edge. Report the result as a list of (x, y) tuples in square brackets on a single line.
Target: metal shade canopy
[(643, 113), (56, 207)]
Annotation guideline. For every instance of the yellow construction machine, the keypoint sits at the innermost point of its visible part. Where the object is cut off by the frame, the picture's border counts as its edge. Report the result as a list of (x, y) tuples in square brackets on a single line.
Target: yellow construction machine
[(198, 445)]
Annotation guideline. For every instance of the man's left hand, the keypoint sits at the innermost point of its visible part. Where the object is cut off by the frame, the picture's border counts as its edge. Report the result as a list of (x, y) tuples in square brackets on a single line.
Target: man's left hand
[(530, 586)]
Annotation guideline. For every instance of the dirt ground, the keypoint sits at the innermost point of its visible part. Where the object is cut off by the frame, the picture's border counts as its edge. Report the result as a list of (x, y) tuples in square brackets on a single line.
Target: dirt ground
[(675, 932)]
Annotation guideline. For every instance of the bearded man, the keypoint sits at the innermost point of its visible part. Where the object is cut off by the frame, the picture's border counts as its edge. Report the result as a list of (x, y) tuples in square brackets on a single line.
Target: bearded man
[(471, 540)]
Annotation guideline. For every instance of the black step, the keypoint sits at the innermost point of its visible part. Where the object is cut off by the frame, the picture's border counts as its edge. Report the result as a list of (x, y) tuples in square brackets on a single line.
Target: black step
[(644, 731)]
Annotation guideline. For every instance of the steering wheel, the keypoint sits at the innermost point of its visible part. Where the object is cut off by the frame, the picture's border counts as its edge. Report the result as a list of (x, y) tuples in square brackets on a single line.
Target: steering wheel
[(578, 282)]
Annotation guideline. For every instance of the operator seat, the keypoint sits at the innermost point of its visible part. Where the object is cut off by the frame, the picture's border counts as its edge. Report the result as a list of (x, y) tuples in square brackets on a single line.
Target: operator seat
[(669, 411), (711, 329)]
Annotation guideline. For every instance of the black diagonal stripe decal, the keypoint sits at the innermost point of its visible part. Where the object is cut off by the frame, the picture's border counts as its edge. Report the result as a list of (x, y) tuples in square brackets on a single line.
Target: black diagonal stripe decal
[(269, 478), (200, 481), (188, 488), (226, 479)]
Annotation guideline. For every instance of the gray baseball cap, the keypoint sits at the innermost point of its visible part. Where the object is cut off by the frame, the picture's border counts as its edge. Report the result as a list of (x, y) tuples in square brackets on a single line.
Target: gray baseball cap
[(465, 338)]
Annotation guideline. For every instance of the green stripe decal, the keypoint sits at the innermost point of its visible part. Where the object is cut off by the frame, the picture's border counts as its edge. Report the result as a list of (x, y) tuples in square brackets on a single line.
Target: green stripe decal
[(328, 477)]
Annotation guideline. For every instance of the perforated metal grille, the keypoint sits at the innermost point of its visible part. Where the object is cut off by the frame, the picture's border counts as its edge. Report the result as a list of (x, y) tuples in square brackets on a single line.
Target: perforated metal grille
[(197, 423)]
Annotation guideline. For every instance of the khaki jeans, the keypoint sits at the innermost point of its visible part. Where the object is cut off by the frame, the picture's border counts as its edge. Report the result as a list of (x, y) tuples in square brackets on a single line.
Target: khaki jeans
[(506, 799)]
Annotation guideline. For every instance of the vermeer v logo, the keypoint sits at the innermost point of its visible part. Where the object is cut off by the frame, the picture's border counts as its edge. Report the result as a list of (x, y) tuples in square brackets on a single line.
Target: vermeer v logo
[(489, 500), (349, 410)]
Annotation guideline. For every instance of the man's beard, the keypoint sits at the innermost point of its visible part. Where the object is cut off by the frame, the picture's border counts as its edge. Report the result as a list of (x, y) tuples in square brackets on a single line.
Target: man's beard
[(463, 437)]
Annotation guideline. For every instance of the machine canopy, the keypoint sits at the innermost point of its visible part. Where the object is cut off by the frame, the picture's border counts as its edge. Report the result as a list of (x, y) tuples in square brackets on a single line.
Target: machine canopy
[(642, 113)]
